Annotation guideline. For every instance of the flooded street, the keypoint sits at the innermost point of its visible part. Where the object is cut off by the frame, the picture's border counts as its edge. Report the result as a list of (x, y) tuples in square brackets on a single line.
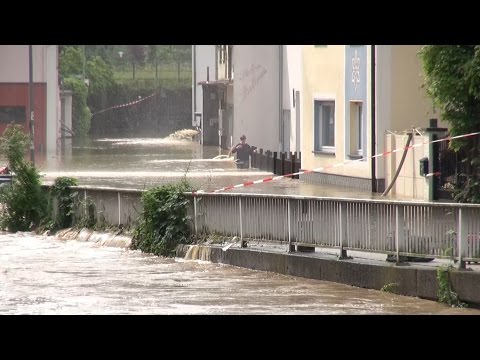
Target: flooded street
[(142, 163), (44, 275)]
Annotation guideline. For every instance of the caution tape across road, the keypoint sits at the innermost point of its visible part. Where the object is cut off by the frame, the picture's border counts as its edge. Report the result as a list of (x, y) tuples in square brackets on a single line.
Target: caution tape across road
[(320, 169)]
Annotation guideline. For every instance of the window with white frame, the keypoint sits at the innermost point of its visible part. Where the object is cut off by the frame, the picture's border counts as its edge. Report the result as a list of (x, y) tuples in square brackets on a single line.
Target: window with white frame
[(324, 126), (356, 130)]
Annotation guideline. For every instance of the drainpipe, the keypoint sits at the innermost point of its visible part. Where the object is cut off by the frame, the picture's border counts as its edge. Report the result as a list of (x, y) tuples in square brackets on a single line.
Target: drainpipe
[(280, 97), (31, 104), (373, 130), (194, 82)]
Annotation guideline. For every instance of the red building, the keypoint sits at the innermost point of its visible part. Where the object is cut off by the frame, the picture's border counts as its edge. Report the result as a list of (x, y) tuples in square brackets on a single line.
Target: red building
[(14, 94)]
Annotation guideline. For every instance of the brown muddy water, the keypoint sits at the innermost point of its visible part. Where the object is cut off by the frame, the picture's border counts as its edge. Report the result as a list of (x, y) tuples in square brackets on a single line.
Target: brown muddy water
[(46, 275)]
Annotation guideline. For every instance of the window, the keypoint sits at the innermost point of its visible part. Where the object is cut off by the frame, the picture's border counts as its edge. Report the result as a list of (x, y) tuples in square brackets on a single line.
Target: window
[(324, 127), (17, 114), (356, 130)]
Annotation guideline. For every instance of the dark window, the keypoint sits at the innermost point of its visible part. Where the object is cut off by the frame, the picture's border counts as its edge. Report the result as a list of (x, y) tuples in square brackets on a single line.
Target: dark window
[(17, 114), (324, 126)]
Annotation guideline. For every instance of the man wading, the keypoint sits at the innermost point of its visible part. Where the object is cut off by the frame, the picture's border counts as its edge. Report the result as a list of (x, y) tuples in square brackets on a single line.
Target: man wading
[(243, 151)]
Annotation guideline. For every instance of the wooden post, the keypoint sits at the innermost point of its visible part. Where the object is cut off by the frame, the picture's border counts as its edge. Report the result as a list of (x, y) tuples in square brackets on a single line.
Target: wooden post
[(260, 165), (269, 165), (275, 163), (294, 165)]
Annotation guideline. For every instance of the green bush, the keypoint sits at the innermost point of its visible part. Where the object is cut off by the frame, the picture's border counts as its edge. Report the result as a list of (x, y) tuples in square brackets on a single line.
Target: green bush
[(65, 201), (24, 204), (163, 223)]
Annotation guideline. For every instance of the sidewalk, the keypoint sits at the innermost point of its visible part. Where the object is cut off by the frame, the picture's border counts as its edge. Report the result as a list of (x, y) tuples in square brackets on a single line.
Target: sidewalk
[(360, 257)]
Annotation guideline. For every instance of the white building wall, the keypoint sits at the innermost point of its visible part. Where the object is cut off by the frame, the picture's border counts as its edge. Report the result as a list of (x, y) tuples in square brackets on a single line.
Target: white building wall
[(204, 56), (383, 103), (256, 95), (292, 82), (14, 63), (53, 100)]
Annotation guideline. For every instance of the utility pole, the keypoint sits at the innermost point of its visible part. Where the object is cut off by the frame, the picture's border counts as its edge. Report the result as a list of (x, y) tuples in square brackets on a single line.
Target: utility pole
[(32, 113)]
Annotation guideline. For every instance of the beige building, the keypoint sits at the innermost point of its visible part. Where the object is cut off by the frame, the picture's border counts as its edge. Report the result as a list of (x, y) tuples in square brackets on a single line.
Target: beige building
[(349, 109)]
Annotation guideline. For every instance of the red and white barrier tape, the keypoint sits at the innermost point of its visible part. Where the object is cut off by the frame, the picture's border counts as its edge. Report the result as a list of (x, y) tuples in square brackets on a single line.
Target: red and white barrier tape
[(125, 105), (386, 153)]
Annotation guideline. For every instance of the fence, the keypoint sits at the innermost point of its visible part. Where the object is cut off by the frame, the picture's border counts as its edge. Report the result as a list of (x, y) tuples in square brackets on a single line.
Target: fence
[(279, 163), (419, 229), (438, 230)]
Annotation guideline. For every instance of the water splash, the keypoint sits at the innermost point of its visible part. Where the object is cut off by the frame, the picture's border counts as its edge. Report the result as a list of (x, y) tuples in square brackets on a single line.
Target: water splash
[(198, 252), (184, 134)]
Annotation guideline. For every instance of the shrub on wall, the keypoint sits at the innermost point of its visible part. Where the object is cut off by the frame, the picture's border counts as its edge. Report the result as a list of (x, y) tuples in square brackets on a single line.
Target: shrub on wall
[(163, 223), (24, 204)]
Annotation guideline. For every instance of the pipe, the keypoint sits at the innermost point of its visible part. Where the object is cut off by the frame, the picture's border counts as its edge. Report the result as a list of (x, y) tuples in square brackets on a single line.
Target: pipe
[(280, 97), (194, 82), (31, 104), (373, 130), (405, 150)]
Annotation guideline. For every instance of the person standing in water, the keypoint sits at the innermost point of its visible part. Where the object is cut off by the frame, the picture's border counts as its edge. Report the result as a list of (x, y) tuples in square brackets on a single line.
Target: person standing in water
[(243, 151)]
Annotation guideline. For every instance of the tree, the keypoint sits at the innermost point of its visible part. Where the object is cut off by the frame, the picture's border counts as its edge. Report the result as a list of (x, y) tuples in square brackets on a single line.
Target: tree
[(137, 55), (100, 75), (181, 54), (452, 80), (71, 62), (158, 54)]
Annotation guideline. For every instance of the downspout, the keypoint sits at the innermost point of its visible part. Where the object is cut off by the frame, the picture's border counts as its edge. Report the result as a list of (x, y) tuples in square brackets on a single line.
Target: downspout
[(373, 129), (280, 97), (194, 82)]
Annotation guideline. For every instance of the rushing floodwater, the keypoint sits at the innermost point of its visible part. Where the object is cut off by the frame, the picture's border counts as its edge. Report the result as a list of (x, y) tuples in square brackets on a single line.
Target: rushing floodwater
[(44, 275)]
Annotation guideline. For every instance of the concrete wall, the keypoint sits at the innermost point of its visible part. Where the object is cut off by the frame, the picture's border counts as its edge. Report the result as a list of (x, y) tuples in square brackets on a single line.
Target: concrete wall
[(409, 281), (256, 95), (409, 182)]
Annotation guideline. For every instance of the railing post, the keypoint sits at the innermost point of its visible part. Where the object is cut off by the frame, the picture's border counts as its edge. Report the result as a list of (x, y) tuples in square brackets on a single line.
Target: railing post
[(462, 237), (195, 215), (119, 208), (85, 201), (293, 159), (343, 230), (242, 242), (291, 247), (399, 230)]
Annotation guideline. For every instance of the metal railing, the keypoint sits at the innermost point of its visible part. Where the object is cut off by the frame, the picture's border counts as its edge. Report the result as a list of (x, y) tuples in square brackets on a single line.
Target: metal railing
[(403, 228), (438, 230)]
